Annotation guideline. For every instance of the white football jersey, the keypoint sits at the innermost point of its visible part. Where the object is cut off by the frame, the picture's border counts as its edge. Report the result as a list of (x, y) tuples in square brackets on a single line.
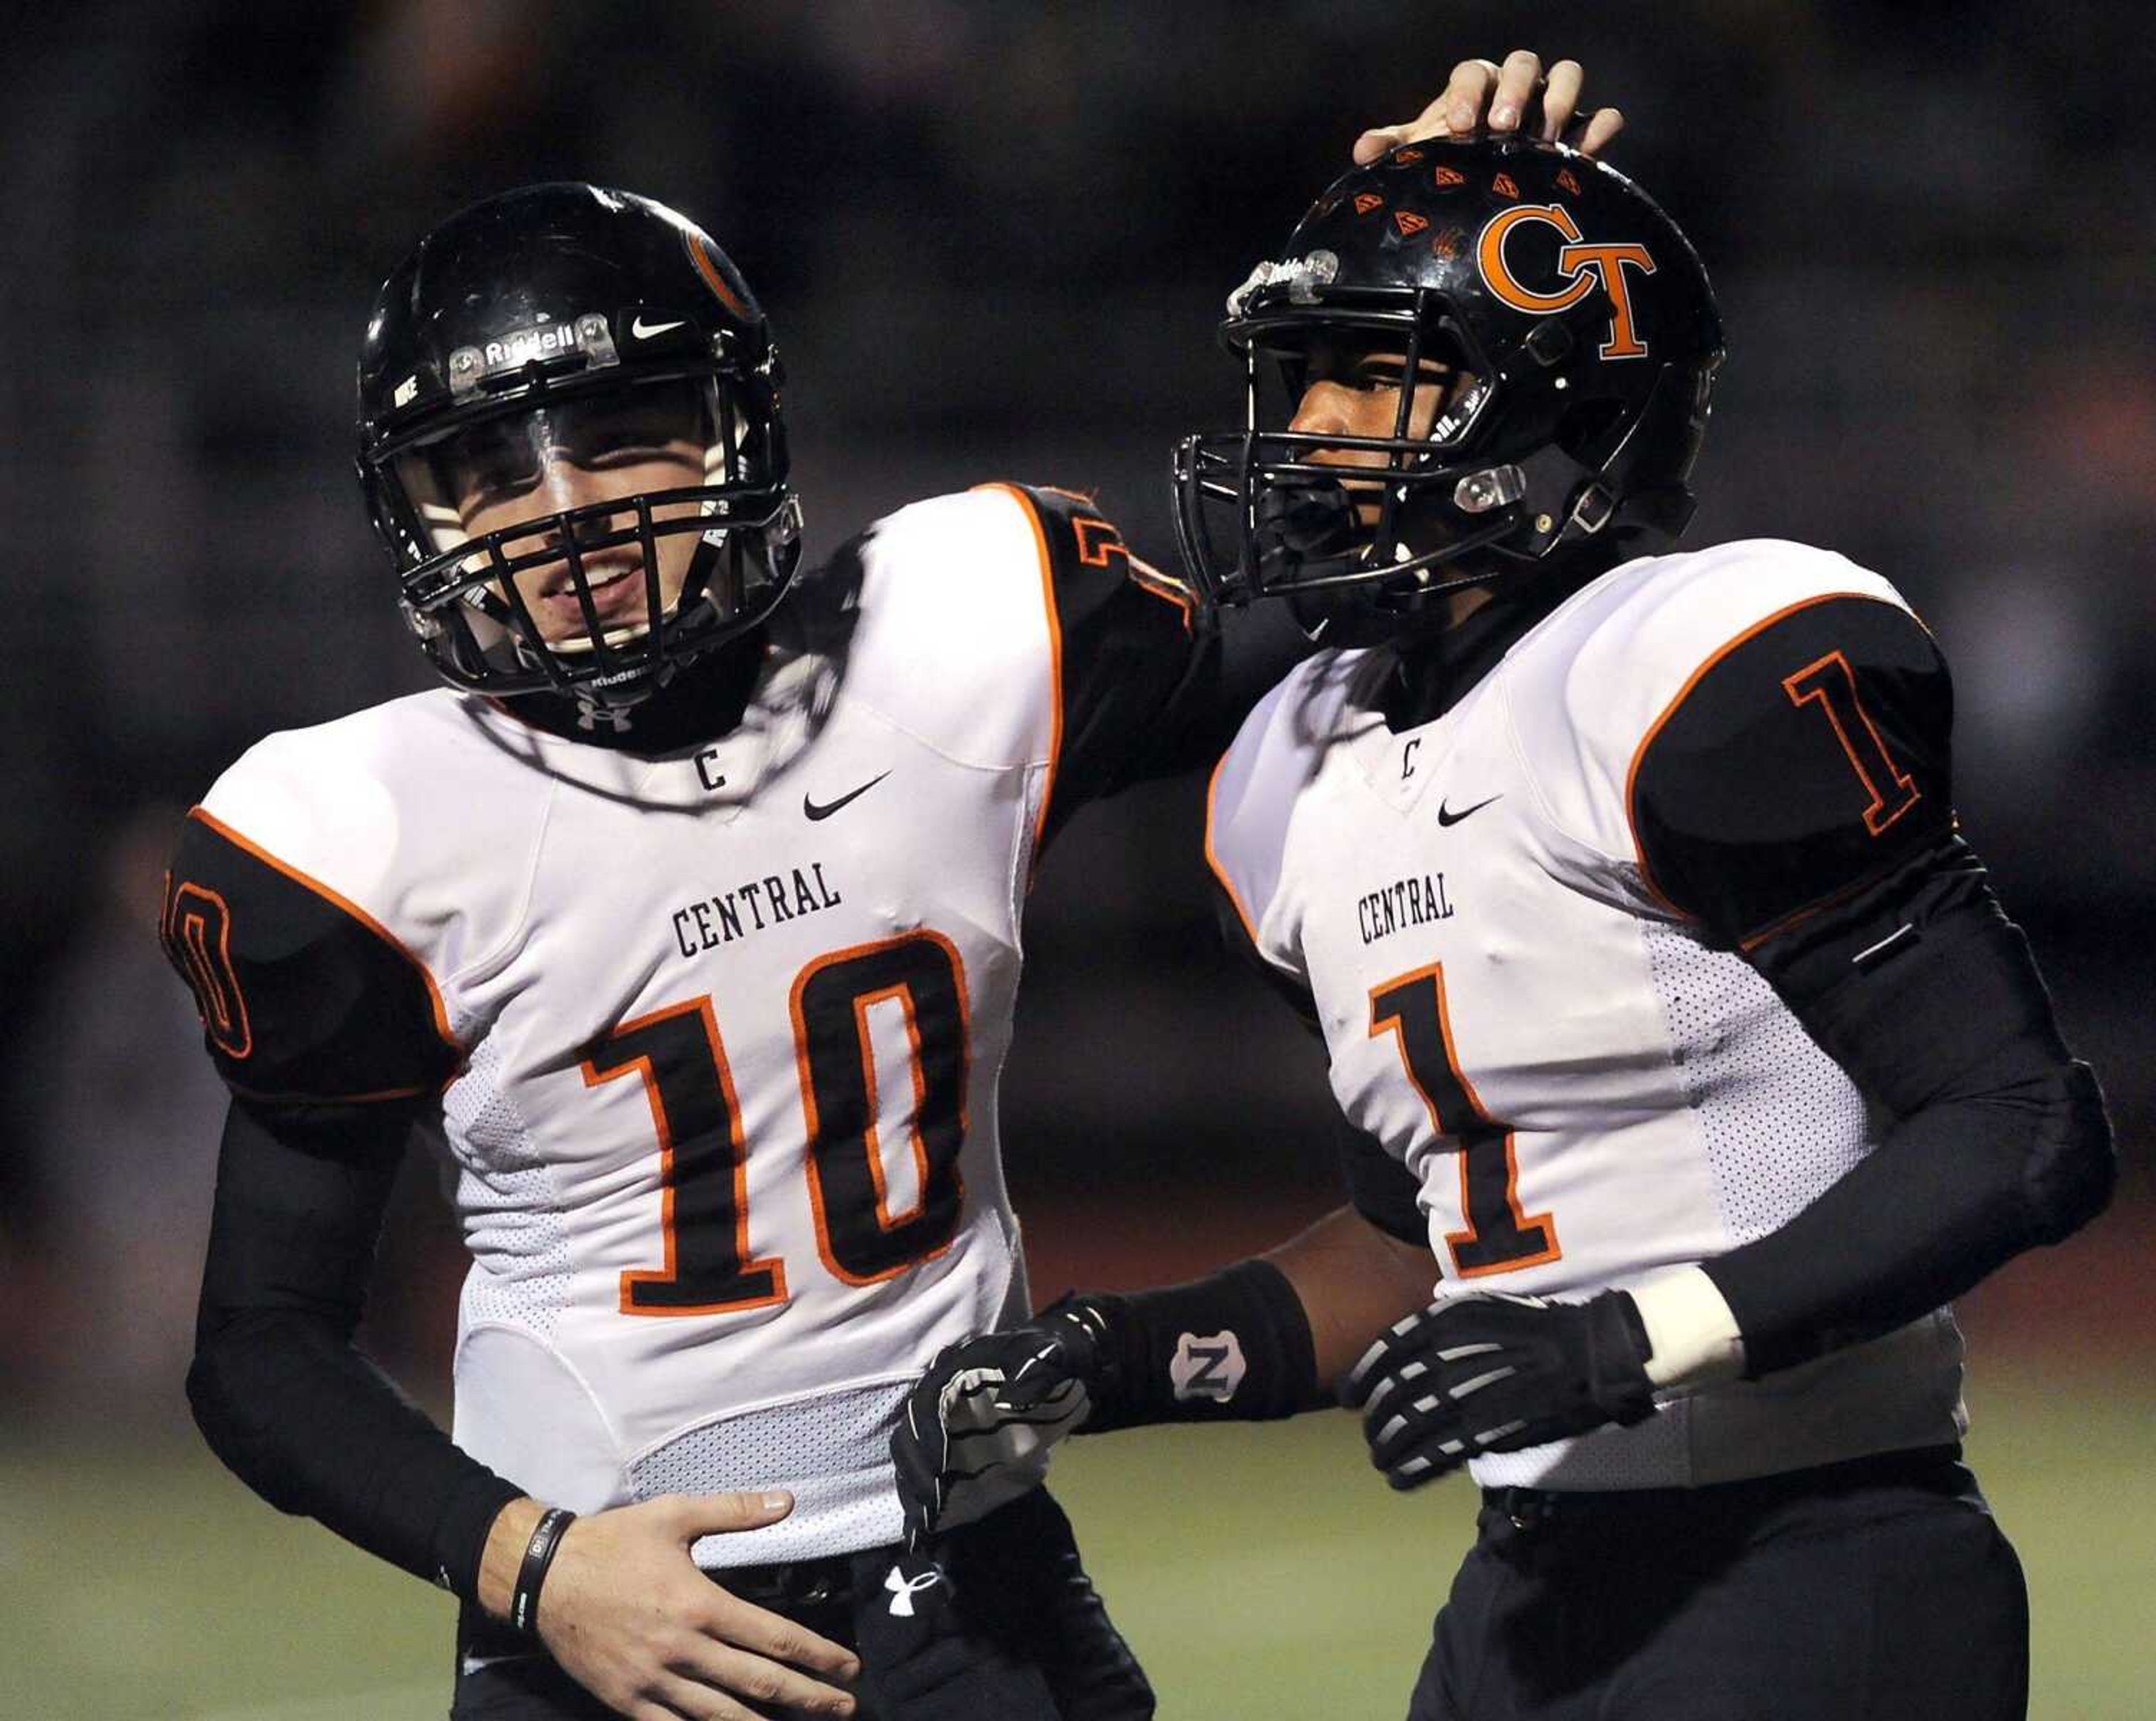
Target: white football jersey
[(1585, 1085), (720, 1029)]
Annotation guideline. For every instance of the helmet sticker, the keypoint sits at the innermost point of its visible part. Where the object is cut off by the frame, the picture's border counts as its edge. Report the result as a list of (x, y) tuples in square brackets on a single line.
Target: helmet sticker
[(1580, 264), (1447, 177), (699, 254), (1408, 222), (1365, 201), (1447, 245), (1505, 185), (1569, 180)]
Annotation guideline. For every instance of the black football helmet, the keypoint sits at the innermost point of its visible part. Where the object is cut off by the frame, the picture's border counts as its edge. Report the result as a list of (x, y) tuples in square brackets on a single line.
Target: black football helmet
[(569, 327), (1583, 337)]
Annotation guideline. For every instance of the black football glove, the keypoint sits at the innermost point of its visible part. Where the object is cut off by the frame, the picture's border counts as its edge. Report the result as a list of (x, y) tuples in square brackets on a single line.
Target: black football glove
[(978, 1428), (1495, 1374)]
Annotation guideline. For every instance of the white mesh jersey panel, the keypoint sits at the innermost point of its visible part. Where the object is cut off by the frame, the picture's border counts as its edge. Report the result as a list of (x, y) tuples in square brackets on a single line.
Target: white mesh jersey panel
[(832, 1450), (520, 1247), (1779, 1121)]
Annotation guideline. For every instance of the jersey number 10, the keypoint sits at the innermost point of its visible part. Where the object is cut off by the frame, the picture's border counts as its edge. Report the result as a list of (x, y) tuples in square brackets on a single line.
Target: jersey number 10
[(680, 1058)]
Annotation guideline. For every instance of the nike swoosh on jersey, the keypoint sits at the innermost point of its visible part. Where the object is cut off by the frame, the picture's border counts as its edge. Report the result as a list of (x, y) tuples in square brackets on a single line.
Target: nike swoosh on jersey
[(1445, 817), (644, 331), (813, 810)]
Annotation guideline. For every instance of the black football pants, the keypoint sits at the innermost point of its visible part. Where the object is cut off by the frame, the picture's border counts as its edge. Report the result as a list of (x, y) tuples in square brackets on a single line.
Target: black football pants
[(1017, 1633), (1876, 1590)]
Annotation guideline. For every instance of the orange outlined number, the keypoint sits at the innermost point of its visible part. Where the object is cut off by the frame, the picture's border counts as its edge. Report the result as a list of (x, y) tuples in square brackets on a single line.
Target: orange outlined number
[(703, 1165), (838, 1000), (919, 978), (1830, 684), (1098, 541), (197, 931), (1498, 1236)]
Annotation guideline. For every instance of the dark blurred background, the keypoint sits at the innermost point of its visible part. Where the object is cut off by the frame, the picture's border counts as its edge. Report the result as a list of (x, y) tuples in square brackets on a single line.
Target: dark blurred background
[(994, 239)]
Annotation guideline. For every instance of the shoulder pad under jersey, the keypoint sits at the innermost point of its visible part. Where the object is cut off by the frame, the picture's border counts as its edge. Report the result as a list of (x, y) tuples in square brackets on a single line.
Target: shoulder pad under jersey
[(1755, 727), (329, 882)]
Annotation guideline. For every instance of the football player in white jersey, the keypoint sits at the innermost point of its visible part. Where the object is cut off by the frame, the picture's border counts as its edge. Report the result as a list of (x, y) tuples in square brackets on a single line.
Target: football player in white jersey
[(1665, 1005), (687, 921)]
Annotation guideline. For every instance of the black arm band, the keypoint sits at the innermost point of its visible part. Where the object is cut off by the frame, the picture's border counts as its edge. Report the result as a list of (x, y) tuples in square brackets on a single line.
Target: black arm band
[(1232, 1348), (538, 1559)]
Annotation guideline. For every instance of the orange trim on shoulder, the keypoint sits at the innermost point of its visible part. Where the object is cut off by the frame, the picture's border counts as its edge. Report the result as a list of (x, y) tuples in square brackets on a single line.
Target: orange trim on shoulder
[(358, 914), (1149, 580), (1212, 858), (1669, 710), (1054, 657)]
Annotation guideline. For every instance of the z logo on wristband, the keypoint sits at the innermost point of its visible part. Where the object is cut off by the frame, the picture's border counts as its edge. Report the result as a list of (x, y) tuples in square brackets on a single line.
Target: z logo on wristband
[(1209, 1367)]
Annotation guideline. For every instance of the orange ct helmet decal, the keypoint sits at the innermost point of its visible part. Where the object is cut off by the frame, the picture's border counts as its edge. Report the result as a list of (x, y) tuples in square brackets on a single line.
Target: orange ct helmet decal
[(1581, 264)]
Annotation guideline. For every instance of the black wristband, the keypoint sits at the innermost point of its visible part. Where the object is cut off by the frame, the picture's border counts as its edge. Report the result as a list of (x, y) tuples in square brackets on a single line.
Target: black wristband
[(1235, 1347), (538, 1555)]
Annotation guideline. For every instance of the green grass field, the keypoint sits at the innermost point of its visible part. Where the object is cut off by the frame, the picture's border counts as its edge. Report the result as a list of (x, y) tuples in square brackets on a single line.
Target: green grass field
[(1260, 1573)]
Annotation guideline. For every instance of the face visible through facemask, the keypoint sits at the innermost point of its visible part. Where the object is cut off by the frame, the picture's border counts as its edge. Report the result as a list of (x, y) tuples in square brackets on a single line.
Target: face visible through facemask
[(1353, 388), (579, 454)]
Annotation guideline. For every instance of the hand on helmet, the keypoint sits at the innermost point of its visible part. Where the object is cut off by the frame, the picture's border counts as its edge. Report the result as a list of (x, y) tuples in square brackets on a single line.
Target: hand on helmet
[(1517, 96), (977, 1427), (1496, 1374)]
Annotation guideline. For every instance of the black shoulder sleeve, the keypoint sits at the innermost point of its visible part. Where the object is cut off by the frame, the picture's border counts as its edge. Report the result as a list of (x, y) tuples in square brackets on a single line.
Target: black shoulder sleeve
[(1126, 639), (1925, 994), (1250, 652), (303, 997), (276, 1386), (1807, 759)]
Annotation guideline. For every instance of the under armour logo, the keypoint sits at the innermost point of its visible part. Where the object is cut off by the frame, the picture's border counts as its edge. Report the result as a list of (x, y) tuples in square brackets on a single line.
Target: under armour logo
[(903, 1588), (1210, 1367)]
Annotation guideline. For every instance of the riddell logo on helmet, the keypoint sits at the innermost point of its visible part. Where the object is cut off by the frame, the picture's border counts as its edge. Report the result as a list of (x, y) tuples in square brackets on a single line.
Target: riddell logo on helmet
[(588, 332), (1580, 264)]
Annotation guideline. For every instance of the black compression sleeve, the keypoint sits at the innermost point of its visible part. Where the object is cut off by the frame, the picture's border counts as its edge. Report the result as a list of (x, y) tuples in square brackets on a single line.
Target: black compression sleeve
[(277, 1388), (1383, 1190), (1927, 995)]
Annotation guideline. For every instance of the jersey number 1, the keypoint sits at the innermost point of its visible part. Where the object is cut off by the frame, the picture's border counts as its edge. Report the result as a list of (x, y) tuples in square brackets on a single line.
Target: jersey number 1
[(1831, 684), (1497, 1236), (703, 1160)]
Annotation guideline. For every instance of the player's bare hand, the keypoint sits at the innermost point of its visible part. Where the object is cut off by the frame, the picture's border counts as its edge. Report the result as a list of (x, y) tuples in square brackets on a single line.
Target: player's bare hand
[(1518, 96), (627, 1613)]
